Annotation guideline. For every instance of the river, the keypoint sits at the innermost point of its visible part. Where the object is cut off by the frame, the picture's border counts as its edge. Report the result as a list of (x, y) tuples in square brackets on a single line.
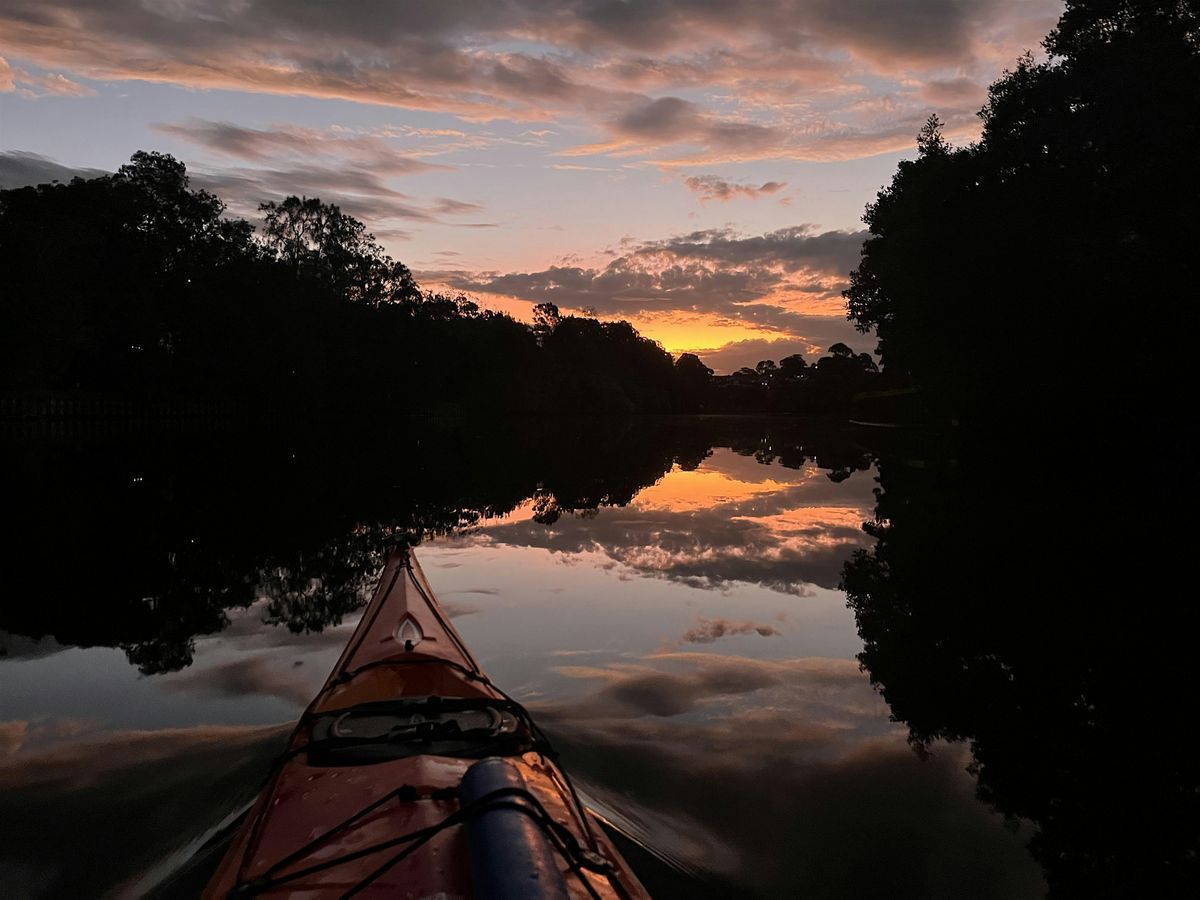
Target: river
[(663, 595)]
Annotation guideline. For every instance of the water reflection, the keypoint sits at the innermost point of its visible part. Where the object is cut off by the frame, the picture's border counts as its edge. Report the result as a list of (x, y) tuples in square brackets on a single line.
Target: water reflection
[(664, 595), (1001, 604), (121, 811)]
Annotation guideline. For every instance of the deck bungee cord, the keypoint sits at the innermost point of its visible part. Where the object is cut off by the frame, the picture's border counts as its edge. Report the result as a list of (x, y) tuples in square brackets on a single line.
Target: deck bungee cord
[(563, 840)]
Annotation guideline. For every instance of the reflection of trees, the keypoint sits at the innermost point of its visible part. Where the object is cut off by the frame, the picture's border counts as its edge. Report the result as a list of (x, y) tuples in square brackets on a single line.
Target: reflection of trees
[(787, 445), (322, 586), (1019, 598), (1004, 607), (145, 541)]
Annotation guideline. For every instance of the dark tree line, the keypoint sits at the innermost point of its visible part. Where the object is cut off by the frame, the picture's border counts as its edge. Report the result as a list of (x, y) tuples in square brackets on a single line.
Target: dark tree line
[(1004, 606), (828, 386), (135, 284), (1045, 270), (1028, 592)]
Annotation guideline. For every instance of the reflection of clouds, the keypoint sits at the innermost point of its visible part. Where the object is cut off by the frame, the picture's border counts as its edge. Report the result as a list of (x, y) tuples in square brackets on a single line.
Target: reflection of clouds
[(122, 804), (26, 735), (268, 662), (249, 629), (834, 521), (784, 776), (779, 536), (669, 684), (252, 675), (12, 736), (18, 646), (706, 631)]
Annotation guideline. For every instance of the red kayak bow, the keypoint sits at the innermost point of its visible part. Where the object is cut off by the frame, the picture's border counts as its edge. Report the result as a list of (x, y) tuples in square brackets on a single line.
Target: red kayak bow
[(411, 775)]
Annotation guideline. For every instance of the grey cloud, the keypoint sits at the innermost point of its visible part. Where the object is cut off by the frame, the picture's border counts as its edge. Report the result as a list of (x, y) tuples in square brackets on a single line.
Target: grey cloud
[(362, 194), (358, 191), (624, 287), (453, 207), (923, 31), (19, 168), (670, 119), (392, 234), (664, 119), (956, 91), (714, 187), (378, 52), (263, 145), (797, 247), (926, 32)]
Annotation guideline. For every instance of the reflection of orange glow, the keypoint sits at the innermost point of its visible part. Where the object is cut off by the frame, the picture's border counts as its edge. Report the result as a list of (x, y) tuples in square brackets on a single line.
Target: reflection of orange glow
[(684, 491)]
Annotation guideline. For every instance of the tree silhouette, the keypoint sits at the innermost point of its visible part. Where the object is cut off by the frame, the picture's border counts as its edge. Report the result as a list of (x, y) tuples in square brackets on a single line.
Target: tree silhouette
[(1045, 231), (136, 285), (988, 621), (693, 382), (545, 319), (997, 604), (793, 367)]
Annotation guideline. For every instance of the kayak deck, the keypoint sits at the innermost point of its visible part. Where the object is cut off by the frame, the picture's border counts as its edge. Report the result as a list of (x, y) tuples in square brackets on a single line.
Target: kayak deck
[(411, 775)]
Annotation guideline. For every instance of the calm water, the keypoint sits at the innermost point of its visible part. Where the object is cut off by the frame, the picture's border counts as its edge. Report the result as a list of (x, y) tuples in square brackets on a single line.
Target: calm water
[(664, 596)]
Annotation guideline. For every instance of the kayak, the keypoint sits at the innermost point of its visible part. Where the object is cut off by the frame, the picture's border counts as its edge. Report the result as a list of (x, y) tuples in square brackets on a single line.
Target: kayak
[(411, 775)]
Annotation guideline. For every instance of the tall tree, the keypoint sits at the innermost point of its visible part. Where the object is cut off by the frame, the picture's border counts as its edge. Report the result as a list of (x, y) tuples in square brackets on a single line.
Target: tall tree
[(1068, 214)]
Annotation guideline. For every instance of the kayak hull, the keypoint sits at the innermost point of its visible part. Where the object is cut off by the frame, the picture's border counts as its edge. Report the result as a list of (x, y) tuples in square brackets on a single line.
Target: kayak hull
[(339, 813)]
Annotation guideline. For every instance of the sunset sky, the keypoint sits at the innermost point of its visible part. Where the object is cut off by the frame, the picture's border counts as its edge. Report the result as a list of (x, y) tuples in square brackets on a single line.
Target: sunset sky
[(698, 167)]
